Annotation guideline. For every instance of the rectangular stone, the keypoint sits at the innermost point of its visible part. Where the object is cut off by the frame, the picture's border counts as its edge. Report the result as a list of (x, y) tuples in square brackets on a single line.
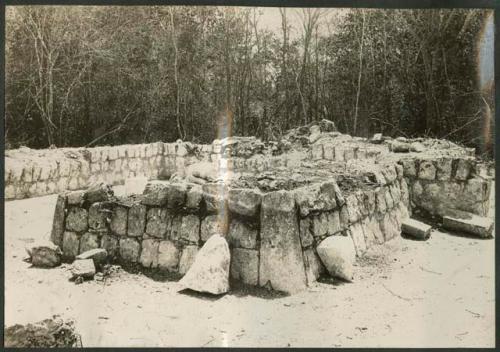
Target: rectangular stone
[(358, 238), (77, 220), (56, 235), (469, 223), (333, 222), (187, 258), (242, 235), (89, 241), (119, 219), (416, 229), (99, 215), (245, 265), (314, 267), (130, 249), (149, 253), (110, 244), (306, 234), (190, 229), (426, 170), (70, 245), (136, 222), (157, 222)]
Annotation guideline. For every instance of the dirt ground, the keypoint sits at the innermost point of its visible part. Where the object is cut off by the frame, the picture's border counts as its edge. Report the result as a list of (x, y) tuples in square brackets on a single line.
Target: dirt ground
[(438, 293)]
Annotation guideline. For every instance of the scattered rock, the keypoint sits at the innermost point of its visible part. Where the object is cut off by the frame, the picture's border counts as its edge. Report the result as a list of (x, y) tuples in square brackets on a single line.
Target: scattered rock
[(84, 268), (98, 255), (44, 254), (469, 223), (338, 255), (416, 229), (210, 270)]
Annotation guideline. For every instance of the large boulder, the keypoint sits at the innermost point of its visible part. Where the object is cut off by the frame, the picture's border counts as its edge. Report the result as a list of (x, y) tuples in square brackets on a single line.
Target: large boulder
[(338, 255), (210, 270), (44, 254)]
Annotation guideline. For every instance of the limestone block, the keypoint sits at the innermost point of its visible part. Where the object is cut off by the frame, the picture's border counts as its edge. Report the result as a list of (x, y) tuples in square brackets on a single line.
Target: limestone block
[(70, 245), (98, 255), (168, 256), (157, 223), (149, 253), (314, 267), (333, 222), (176, 195), (463, 169), (443, 169), (469, 223), (358, 238), (242, 235), (417, 190), (156, 193), (99, 216), (368, 233), (306, 232), (353, 208), (187, 258), (89, 241), (56, 235), (136, 220), (212, 224), (349, 154), (194, 197), (416, 229), (119, 219), (374, 228), (427, 170), (476, 190), (320, 225), (338, 254), (409, 167), (344, 217), (110, 244), (84, 268), (99, 192), (316, 197), (77, 220), (399, 171), (190, 229), (244, 202), (281, 262), (340, 154), (245, 265), (130, 249), (328, 152), (362, 203), (389, 227), (215, 197), (389, 202)]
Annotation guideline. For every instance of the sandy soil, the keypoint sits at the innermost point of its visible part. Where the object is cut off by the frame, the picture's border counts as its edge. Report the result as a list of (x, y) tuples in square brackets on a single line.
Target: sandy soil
[(438, 293)]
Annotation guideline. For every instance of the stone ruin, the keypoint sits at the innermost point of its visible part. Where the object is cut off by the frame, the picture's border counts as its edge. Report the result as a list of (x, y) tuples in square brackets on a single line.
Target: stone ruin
[(274, 202)]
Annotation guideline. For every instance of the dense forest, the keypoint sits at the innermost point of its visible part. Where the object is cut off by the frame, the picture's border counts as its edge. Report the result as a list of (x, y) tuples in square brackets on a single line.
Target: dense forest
[(82, 76)]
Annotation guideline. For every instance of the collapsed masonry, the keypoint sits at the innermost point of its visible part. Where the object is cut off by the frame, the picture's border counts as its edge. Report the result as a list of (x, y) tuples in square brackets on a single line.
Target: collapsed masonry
[(274, 202)]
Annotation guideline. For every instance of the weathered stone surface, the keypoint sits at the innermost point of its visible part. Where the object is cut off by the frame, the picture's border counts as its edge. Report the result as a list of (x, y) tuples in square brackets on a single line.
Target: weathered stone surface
[(306, 234), (136, 220), (241, 235), (210, 269), (149, 253), (70, 245), (314, 267), (316, 197), (98, 255), (110, 244), (77, 220), (358, 238), (89, 241), (338, 255), (344, 217), (443, 169), (416, 229), (245, 265), (333, 222), (119, 219), (463, 169), (426, 170), (320, 225), (409, 167), (99, 216), (389, 226), (129, 249), (212, 224), (215, 197), (157, 222), (187, 258), (194, 197), (84, 268), (190, 229), (44, 254), (353, 208), (156, 193), (56, 235), (281, 262), (168, 256), (245, 202), (99, 192), (176, 195), (469, 223), (76, 197)]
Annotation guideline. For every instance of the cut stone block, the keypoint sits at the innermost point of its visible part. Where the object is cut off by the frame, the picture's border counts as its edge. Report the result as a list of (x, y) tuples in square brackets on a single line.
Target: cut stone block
[(215, 196), (99, 192), (241, 235), (176, 195), (316, 197), (314, 267), (333, 222), (136, 223), (187, 258), (99, 215), (77, 220), (463, 169), (119, 220), (89, 241), (44, 254), (84, 268), (443, 169), (358, 238), (245, 202), (416, 229), (168, 256), (157, 223), (211, 225), (76, 197), (469, 223), (110, 244), (156, 194), (70, 245), (281, 262), (306, 235), (190, 229), (194, 197), (427, 170), (245, 265), (56, 235), (149, 253), (98, 255), (129, 249)]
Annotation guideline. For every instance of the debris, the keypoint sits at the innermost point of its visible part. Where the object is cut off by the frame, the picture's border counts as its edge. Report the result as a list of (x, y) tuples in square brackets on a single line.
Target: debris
[(44, 254), (416, 229), (210, 270), (338, 255), (469, 223), (82, 268)]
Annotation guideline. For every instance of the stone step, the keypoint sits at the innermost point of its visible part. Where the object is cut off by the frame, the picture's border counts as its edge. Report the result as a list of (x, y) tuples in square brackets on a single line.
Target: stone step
[(469, 223), (416, 229)]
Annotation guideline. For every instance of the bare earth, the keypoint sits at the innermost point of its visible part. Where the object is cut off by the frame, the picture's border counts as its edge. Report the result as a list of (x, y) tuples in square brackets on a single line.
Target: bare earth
[(438, 293)]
